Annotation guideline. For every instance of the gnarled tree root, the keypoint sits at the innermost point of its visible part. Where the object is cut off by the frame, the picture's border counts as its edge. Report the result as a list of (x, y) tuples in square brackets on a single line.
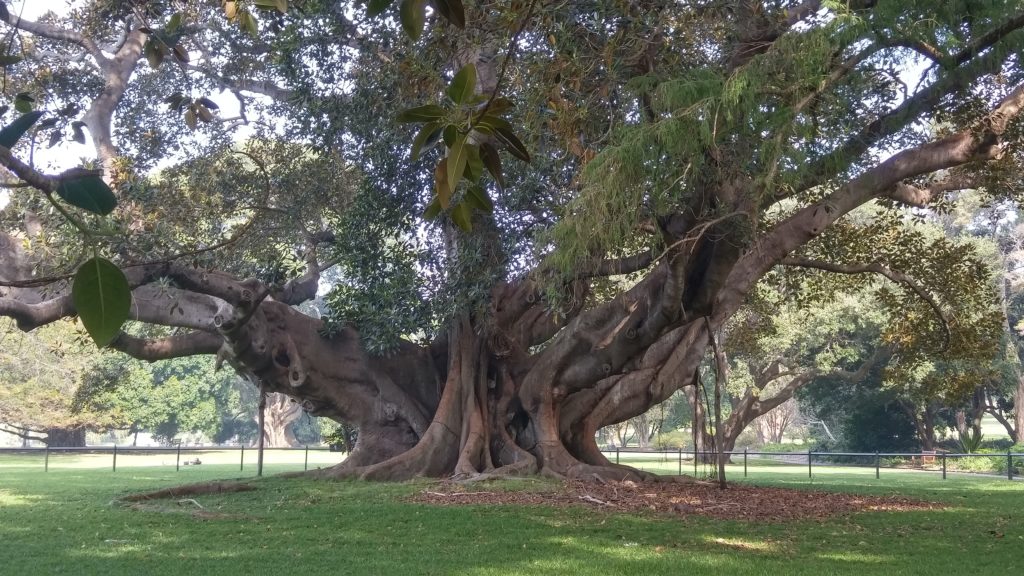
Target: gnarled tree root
[(199, 489)]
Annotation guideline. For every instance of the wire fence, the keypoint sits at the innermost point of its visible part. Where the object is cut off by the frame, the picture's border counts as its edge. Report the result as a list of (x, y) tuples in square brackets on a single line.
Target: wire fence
[(179, 457), (1008, 464)]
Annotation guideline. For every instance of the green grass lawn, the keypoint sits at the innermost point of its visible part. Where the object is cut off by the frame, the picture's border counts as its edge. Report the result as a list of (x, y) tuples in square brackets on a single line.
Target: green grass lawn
[(64, 522)]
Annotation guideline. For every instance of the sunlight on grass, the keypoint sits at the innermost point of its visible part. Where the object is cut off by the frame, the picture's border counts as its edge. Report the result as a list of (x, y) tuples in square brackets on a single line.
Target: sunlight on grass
[(860, 557)]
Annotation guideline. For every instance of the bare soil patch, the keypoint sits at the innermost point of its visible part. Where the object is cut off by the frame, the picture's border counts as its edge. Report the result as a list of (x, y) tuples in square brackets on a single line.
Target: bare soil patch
[(752, 503)]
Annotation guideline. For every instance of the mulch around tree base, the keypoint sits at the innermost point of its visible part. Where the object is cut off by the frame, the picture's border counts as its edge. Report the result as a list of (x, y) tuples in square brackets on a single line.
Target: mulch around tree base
[(754, 503)]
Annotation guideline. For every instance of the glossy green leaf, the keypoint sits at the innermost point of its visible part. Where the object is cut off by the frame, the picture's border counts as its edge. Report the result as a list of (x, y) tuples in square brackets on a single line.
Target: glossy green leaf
[(441, 187), (87, 191), (458, 155), (514, 145), (463, 85), (376, 7), (499, 106), (103, 299), (452, 11), (433, 209), (413, 15), (154, 55), (492, 160), (474, 165), (477, 197), (425, 113), (174, 23), (427, 137), (462, 216), (450, 134), (248, 23), (13, 132), (23, 102)]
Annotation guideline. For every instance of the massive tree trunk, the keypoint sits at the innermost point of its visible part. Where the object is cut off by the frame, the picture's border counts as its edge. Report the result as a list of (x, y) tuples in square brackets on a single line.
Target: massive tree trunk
[(281, 413)]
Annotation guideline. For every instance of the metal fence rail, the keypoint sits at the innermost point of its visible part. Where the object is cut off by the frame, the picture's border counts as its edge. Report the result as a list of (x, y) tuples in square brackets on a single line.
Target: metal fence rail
[(939, 460), (874, 460), (178, 451)]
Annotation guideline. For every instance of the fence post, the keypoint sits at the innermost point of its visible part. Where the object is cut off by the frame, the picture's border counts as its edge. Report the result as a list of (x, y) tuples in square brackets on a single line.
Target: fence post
[(1009, 465), (809, 458), (878, 465), (177, 460), (616, 454), (305, 465), (241, 462), (46, 459), (115, 458), (680, 460), (943, 465), (744, 462)]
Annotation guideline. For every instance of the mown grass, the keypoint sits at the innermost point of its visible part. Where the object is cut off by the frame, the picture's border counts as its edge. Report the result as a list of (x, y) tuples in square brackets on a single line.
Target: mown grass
[(64, 522)]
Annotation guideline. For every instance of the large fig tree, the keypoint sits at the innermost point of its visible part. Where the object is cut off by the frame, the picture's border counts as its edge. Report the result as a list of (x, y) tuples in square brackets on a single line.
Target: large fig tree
[(527, 220)]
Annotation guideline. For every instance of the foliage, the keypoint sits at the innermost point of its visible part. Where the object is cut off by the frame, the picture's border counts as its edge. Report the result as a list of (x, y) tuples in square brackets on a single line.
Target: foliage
[(40, 373), (170, 398)]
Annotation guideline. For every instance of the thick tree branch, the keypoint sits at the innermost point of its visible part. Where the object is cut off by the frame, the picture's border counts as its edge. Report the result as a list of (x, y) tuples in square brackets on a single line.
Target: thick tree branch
[(876, 268), (55, 33), (151, 350)]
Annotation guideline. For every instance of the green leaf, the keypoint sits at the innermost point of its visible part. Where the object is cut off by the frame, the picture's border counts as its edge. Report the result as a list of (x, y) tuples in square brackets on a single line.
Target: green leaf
[(76, 132), (282, 6), (180, 54), (413, 15), (9, 60), (433, 209), (23, 102), (376, 7), (13, 132), (425, 113), (174, 23), (450, 134), (425, 140), (477, 197), (463, 85), (499, 106), (457, 157), (88, 191), (154, 55), (452, 11), (514, 145), (462, 216), (474, 165), (492, 160), (441, 187), (208, 103), (103, 299), (247, 22)]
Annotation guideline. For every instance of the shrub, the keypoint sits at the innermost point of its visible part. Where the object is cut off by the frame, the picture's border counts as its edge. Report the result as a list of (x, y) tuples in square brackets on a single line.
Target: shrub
[(672, 440)]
